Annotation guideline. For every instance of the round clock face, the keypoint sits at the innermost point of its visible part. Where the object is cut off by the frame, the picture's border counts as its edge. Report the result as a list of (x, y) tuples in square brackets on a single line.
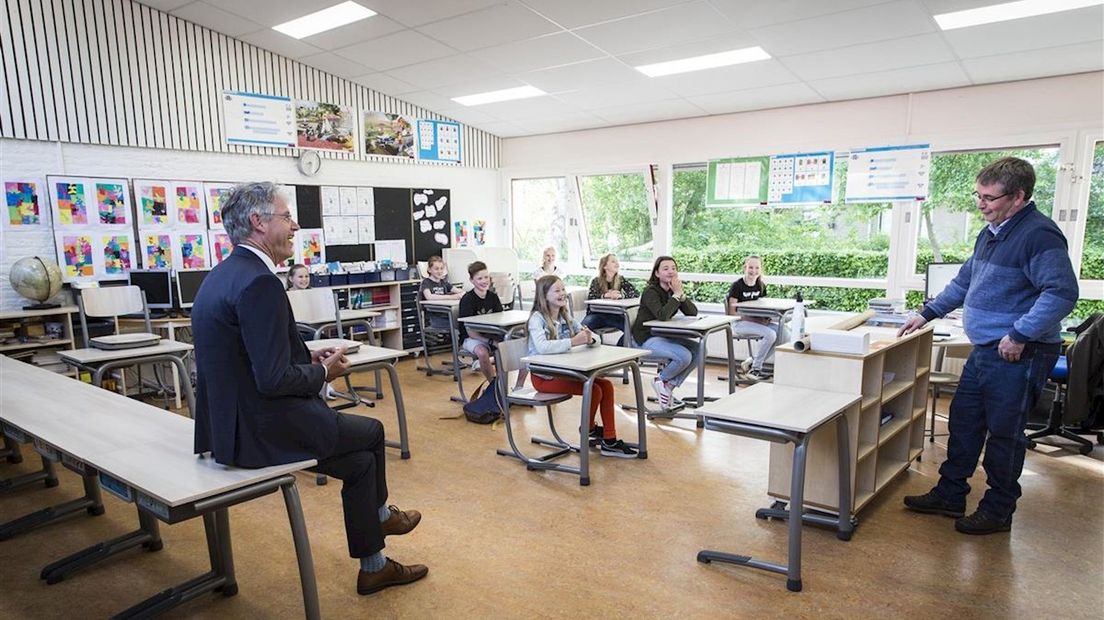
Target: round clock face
[(310, 163)]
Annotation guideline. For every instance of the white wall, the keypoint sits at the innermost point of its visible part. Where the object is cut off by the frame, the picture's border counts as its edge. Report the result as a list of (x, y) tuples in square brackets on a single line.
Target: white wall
[(475, 191)]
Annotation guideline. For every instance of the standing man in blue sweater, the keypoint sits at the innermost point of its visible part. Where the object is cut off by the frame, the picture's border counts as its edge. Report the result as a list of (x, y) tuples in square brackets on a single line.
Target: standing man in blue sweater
[(1014, 290)]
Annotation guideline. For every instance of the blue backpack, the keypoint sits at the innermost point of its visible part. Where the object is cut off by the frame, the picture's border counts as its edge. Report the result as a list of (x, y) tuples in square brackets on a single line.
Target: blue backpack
[(483, 406)]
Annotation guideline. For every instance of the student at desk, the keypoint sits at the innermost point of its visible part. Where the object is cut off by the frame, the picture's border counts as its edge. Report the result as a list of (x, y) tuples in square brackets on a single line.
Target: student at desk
[(298, 279), (479, 300), (608, 285), (548, 265), (436, 286), (661, 300), (552, 329), (257, 398), (747, 288)]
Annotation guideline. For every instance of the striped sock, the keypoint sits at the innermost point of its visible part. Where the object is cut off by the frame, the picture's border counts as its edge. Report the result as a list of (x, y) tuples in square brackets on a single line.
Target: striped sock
[(373, 563), (384, 513)]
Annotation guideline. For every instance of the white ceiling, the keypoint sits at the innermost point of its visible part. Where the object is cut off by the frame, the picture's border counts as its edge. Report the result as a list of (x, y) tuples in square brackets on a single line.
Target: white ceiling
[(582, 52)]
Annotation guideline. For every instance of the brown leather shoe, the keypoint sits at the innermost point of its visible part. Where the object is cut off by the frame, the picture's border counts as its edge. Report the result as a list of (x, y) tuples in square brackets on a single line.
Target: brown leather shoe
[(393, 574), (401, 521)]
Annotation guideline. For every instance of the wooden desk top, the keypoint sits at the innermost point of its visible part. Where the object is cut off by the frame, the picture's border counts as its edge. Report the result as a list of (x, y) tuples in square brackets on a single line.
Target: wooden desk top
[(21, 314), (701, 323), (778, 304), (96, 356), (164, 322), (779, 406), (440, 303), (615, 303), (353, 314), (507, 319), (366, 354), (586, 359)]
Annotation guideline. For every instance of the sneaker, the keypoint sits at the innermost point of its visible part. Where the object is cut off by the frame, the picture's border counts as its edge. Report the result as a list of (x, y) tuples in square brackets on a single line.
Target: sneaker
[(930, 503), (331, 394), (982, 522), (475, 365), (759, 375), (663, 393), (616, 448), (595, 436), (745, 366)]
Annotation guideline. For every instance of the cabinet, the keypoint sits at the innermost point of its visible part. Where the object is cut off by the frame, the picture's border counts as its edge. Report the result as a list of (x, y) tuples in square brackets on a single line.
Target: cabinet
[(893, 380), (388, 299), (35, 334)]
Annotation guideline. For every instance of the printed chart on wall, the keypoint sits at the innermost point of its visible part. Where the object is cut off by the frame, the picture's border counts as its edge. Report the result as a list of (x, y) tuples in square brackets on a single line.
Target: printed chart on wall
[(737, 181), (439, 141), (888, 173), (800, 178), (253, 118)]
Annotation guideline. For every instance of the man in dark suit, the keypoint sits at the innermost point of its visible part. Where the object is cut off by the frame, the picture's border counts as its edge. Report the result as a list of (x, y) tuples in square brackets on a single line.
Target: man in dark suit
[(258, 387)]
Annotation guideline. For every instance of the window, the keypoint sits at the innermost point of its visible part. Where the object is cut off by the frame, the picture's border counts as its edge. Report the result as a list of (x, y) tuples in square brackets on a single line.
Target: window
[(539, 217), (616, 217), (1092, 255), (949, 218)]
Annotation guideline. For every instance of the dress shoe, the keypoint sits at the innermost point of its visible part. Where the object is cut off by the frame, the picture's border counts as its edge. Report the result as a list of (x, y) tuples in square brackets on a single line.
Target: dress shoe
[(393, 574), (401, 521), (930, 503), (982, 522)]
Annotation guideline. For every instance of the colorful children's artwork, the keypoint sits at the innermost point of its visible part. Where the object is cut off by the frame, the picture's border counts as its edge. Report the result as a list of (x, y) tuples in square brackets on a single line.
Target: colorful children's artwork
[(71, 204), (21, 201), (479, 232), (188, 198), (220, 245), (460, 231), (116, 254), (192, 250), (157, 251), (111, 202), (217, 193), (76, 256), (153, 203), (309, 247)]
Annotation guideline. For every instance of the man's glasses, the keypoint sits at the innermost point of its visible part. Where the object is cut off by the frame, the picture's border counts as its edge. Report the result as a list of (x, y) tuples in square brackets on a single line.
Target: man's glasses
[(287, 216), (986, 198)]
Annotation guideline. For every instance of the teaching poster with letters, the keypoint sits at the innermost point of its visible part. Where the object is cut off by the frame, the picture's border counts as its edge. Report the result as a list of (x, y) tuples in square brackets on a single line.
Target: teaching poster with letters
[(439, 141), (888, 173), (801, 178)]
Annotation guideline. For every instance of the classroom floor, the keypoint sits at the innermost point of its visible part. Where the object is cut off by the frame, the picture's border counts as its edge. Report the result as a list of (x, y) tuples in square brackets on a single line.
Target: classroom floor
[(503, 542)]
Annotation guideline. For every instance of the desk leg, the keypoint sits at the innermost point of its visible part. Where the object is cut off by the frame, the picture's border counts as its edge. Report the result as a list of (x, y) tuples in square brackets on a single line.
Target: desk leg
[(457, 370), (189, 394), (400, 407), (797, 507), (147, 535), (91, 502), (584, 433), (731, 359), (11, 451), (47, 473), (177, 377), (641, 414), (302, 550)]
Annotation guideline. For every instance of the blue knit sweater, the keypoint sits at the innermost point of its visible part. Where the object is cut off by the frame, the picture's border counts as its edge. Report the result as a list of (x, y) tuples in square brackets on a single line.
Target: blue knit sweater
[(1019, 282)]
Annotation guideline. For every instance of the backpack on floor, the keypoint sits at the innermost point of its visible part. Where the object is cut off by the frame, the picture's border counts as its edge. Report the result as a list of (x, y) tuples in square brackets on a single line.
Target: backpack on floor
[(483, 406)]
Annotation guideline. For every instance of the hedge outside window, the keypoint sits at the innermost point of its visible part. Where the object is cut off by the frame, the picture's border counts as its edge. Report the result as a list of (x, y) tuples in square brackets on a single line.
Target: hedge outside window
[(616, 217), (1092, 256), (539, 217)]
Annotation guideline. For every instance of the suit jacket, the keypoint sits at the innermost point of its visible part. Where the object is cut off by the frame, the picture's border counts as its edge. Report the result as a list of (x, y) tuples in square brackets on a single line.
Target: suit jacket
[(257, 400)]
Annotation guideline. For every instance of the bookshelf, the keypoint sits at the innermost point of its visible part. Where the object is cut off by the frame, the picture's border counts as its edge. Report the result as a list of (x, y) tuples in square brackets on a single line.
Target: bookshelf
[(389, 300), (26, 334)]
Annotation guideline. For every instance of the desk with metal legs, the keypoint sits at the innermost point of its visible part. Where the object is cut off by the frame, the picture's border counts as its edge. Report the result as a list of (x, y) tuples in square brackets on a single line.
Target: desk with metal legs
[(170, 325), (784, 414), (504, 325), (447, 308), (616, 307), (99, 362), (773, 308), (697, 328)]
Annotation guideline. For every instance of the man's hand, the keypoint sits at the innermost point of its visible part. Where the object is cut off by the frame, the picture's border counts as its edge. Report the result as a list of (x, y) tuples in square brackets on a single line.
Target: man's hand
[(336, 364), (916, 322), (1010, 350), (321, 354)]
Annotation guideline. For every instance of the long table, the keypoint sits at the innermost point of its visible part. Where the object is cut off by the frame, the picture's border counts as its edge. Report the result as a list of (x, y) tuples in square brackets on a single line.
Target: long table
[(143, 455)]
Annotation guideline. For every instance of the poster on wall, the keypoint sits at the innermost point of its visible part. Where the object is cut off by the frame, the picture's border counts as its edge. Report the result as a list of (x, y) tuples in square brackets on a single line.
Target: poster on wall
[(188, 203), (439, 141), (309, 247), (117, 250), (153, 203), (257, 119), (190, 250), (325, 126), (479, 232), (888, 173), (216, 194), (737, 181), (460, 233), (23, 205), (71, 201), (218, 242), (157, 250), (76, 256), (801, 179), (432, 222), (387, 134), (112, 203)]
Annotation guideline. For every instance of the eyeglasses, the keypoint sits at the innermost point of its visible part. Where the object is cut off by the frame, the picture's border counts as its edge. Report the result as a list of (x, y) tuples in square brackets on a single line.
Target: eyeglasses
[(287, 216), (987, 199)]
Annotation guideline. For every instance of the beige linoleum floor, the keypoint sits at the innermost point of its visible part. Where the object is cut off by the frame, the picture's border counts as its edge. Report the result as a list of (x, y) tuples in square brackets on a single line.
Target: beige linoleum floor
[(503, 542)]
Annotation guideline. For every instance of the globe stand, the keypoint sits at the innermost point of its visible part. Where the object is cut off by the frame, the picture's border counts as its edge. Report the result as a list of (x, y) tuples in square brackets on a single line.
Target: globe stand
[(41, 306)]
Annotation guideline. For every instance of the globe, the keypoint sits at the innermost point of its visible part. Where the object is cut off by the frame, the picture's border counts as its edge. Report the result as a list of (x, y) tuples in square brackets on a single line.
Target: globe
[(37, 279)]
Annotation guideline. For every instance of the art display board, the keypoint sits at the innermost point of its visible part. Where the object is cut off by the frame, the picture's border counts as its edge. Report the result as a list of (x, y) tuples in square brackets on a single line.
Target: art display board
[(25, 206), (888, 173), (801, 178), (218, 246), (737, 181), (215, 194), (348, 215), (438, 141), (81, 202), (91, 254), (258, 119), (93, 227)]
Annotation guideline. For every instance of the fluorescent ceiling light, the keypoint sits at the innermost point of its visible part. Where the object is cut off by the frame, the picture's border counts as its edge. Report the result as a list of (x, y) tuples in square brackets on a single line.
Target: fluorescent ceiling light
[(326, 19), (709, 61), (1008, 11), (521, 92)]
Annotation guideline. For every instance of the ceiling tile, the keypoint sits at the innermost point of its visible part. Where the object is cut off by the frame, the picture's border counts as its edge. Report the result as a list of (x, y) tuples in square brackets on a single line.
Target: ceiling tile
[(454, 69), (541, 125), (577, 13), (164, 5), (923, 49), (647, 112), (417, 12), (756, 13), (471, 116), (731, 40), (529, 108), (757, 98), (356, 32), (1066, 28), (503, 129), (384, 83), (936, 7), (494, 25), (473, 87), (532, 54), (272, 12), (431, 101), (405, 47), (721, 79), (686, 22), (279, 43), (216, 19), (876, 23), (590, 74), (332, 63), (898, 81), (1036, 63), (610, 96)]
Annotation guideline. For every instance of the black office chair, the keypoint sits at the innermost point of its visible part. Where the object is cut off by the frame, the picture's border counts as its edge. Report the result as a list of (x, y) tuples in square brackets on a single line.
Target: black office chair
[(1059, 376)]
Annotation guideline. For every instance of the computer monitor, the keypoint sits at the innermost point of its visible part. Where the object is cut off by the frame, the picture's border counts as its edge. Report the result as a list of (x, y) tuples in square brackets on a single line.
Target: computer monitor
[(187, 285), (157, 284), (938, 277)]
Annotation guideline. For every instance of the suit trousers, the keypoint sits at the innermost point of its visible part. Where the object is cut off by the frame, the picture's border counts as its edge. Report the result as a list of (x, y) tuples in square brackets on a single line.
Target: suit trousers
[(358, 461)]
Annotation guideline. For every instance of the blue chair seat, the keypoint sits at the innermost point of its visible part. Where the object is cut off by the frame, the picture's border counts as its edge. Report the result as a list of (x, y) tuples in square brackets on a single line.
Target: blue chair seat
[(1061, 370)]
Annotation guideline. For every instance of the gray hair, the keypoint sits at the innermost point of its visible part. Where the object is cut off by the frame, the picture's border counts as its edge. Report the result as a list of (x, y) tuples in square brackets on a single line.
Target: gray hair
[(1013, 174), (245, 200)]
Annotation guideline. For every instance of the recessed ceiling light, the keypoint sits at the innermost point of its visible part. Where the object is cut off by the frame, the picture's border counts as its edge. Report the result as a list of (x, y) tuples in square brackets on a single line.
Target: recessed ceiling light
[(709, 61), (1008, 11), (521, 92), (326, 19)]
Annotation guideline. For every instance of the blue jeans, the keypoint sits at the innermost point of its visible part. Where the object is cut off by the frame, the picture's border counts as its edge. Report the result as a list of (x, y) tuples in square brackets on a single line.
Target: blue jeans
[(597, 320), (768, 335), (993, 398), (682, 354)]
